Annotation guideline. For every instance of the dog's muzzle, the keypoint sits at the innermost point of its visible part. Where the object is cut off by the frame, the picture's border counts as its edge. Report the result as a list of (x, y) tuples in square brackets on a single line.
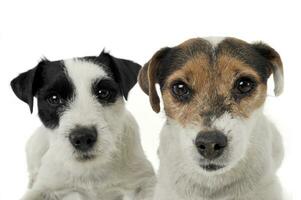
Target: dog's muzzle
[(83, 138), (211, 144)]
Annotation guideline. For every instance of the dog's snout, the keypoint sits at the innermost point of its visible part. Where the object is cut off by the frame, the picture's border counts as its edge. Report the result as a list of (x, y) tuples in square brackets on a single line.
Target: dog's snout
[(83, 138), (211, 144)]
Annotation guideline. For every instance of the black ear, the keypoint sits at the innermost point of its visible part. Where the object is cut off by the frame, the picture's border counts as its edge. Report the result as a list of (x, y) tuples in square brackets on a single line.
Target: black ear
[(276, 64), (125, 72), (25, 85)]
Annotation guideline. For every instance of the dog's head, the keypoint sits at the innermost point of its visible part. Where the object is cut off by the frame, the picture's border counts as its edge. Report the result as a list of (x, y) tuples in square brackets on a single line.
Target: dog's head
[(212, 90), (80, 101)]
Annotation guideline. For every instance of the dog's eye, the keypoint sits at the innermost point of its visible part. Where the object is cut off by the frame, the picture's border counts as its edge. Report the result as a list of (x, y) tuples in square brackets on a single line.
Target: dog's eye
[(54, 100), (103, 94), (105, 91), (244, 85), (181, 90)]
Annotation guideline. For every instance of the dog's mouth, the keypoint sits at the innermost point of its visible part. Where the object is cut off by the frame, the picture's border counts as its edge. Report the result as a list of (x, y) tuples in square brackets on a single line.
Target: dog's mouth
[(83, 157), (212, 167)]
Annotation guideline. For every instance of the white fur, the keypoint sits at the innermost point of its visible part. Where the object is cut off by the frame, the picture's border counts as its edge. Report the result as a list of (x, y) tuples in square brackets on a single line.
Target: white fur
[(214, 41), (278, 81), (252, 158), (119, 169)]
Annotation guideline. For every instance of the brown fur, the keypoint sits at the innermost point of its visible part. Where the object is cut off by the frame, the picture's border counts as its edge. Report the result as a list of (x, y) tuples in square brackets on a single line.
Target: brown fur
[(147, 80), (211, 74), (211, 87)]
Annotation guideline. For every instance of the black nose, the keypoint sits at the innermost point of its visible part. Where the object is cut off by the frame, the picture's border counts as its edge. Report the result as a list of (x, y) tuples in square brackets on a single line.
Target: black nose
[(211, 144), (83, 138)]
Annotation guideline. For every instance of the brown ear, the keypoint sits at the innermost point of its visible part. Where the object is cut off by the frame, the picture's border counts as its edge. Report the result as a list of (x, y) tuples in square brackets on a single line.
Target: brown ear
[(148, 78), (277, 68)]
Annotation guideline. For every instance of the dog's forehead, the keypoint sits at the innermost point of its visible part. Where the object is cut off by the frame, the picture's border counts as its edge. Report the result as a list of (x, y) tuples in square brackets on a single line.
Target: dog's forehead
[(216, 53), (51, 71), (76, 69), (84, 71), (246, 54)]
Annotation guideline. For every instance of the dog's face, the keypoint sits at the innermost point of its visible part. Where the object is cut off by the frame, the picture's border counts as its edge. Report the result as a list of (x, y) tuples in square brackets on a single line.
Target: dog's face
[(80, 101), (212, 92)]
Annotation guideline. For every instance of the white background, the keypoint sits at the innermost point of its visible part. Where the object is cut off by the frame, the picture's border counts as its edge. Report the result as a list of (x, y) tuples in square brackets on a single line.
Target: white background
[(135, 30)]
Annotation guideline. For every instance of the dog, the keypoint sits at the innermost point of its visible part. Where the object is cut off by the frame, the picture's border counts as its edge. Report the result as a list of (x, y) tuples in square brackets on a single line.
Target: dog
[(89, 145), (216, 143)]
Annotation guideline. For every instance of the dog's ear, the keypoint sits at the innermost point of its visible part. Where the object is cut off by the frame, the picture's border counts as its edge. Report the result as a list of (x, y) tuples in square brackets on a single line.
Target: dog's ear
[(148, 77), (125, 71), (25, 85), (276, 66)]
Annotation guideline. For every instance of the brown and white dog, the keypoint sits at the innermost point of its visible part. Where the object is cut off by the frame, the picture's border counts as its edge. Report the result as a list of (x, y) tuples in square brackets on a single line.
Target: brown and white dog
[(216, 143)]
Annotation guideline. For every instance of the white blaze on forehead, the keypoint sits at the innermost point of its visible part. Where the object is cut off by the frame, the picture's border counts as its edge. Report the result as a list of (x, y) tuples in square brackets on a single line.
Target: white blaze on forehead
[(214, 41), (83, 73)]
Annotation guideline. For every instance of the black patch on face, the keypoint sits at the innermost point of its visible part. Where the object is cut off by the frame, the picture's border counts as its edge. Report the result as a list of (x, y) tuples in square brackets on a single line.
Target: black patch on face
[(50, 79), (45, 80), (247, 54), (124, 72), (54, 81)]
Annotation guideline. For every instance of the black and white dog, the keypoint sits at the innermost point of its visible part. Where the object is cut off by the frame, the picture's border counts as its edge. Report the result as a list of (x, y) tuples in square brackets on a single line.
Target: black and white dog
[(89, 144)]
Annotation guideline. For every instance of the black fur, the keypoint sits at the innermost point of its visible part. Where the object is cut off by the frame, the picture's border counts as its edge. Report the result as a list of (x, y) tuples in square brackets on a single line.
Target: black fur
[(109, 85), (50, 78), (26, 84), (270, 54), (257, 56), (46, 79), (55, 81), (170, 60), (248, 54), (123, 71)]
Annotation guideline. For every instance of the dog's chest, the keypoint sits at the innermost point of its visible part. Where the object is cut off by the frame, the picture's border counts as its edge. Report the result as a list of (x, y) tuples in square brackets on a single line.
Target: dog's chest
[(100, 190)]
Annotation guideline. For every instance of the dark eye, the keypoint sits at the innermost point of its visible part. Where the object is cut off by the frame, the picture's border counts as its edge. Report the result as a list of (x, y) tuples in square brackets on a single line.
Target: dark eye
[(54, 100), (181, 90), (245, 85), (103, 94)]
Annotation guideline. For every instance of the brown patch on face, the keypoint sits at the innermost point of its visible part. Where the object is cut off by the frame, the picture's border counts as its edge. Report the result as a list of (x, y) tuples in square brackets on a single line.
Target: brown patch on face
[(212, 90), (230, 69), (211, 73), (195, 75)]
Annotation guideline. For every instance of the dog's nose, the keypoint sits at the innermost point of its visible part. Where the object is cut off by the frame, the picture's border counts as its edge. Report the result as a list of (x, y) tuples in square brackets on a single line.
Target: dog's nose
[(83, 138), (211, 144)]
